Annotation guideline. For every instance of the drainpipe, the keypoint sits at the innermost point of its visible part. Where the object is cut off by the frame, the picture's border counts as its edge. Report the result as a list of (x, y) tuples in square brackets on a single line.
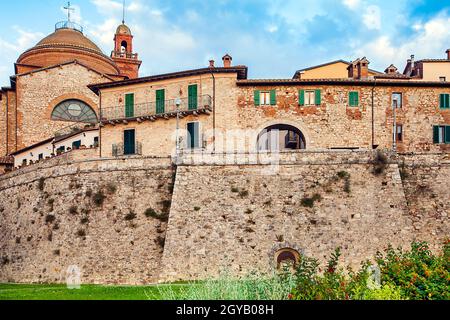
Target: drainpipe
[(7, 123), (214, 111), (100, 123), (373, 113), (394, 135)]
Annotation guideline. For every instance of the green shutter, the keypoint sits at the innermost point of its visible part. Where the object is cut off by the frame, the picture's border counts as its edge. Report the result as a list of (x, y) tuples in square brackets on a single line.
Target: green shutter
[(129, 105), (353, 99), (160, 101), (193, 97), (301, 100), (444, 102), (318, 97), (273, 97), (435, 134), (447, 134), (256, 96)]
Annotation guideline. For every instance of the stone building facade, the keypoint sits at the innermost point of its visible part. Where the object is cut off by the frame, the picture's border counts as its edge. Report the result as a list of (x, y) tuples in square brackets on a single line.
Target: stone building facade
[(352, 113), (49, 87)]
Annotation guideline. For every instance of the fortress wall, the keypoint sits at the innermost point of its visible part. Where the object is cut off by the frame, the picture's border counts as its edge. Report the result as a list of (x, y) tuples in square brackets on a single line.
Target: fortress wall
[(235, 218), (49, 220), (426, 183), (223, 216)]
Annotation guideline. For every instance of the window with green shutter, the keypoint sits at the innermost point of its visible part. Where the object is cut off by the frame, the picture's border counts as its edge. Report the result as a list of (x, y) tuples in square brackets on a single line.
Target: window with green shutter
[(353, 98), (444, 101), (318, 97), (441, 134), (160, 101), (301, 100), (256, 96), (129, 105), (436, 134), (273, 97), (447, 134), (193, 97)]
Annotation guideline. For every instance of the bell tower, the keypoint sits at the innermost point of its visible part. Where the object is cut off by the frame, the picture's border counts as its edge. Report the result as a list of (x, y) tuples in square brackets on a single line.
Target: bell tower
[(127, 61)]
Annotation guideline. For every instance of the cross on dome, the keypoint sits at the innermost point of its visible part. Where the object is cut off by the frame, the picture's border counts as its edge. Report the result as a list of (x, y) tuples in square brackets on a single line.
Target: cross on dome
[(69, 9)]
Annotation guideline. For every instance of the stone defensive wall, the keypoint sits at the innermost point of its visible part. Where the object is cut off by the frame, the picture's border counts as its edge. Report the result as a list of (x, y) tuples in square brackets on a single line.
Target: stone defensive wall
[(238, 218), (145, 220), (69, 211)]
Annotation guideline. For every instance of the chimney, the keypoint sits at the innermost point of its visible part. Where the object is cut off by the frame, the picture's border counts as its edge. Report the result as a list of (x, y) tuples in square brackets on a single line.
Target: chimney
[(363, 68), (391, 69), (448, 54), (211, 64), (352, 69), (412, 62), (227, 59)]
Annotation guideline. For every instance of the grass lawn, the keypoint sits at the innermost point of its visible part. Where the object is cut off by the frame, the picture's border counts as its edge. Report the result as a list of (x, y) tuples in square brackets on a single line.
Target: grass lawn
[(87, 292)]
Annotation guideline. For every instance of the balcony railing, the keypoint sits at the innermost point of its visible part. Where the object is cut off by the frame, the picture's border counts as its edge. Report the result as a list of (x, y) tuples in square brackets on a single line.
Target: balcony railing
[(68, 25), (124, 55), (120, 150), (156, 110)]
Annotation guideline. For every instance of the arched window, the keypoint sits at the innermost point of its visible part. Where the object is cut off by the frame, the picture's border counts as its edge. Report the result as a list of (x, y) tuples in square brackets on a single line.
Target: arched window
[(123, 46), (74, 111), (281, 137)]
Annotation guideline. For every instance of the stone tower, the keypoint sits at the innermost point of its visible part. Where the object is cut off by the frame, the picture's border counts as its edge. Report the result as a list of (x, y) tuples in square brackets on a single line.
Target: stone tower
[(123, 55)]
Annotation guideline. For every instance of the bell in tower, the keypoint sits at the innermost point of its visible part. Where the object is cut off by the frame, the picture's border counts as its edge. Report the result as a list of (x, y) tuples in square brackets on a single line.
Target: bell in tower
[(123, 55)]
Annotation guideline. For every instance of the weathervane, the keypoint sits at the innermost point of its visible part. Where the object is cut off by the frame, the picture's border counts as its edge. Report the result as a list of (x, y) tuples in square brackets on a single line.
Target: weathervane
[(69, 8)]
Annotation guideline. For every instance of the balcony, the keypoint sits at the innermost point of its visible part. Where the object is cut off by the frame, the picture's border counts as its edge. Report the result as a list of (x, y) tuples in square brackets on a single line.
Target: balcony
[(124, 55), (120, 150), (153, 111)]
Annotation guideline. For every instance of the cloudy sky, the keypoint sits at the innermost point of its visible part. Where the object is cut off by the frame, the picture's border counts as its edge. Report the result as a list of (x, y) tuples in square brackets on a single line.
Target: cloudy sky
[(273, 37)]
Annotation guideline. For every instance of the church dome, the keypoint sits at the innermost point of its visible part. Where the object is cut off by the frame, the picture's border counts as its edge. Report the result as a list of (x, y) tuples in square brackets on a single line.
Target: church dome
[(70, 38), (123, 29), (68, 43)]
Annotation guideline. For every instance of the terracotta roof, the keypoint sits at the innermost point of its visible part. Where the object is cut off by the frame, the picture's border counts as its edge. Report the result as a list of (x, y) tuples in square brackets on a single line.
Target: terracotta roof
[(344, 81), (61, 65), (123, 29), (329, 63), (7, 160), (392, 76), (240, 70), (68, 37), (33, 146), (433, 60)]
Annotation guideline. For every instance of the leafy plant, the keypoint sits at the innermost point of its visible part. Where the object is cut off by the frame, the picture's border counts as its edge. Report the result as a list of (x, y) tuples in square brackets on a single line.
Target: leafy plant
[(130, 216), (99, 198), (309, 202), (419, 273), (380, 163)]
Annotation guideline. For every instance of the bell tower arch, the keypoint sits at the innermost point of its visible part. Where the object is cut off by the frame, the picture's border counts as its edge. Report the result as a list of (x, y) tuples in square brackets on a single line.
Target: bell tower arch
[(126, 60)]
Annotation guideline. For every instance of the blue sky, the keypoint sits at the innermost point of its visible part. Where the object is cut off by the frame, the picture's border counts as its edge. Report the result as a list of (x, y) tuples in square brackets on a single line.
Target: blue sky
[(273, 37)]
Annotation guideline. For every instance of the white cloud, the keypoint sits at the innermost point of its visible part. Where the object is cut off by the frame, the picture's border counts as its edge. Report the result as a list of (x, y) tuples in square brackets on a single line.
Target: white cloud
[(272, 28), (430, 41), (352, 4), (372, 18)]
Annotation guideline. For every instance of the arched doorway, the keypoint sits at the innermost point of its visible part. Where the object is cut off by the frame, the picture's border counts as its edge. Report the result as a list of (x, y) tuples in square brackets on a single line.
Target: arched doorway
[(287, 258), (281, 137)]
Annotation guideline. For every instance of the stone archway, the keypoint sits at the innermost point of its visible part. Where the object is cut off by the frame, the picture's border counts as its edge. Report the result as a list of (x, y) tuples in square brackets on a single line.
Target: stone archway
[(281, 137), (287, 258)]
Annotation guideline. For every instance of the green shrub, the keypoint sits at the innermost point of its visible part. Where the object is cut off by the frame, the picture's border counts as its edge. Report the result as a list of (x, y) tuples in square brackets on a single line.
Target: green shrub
[(99, 198), (111, 188), (419, 273), (50, 218), (41, 184), (73, 210), (151, 213), (235, 190), (309, 202), (130, 216), (380, 163)]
